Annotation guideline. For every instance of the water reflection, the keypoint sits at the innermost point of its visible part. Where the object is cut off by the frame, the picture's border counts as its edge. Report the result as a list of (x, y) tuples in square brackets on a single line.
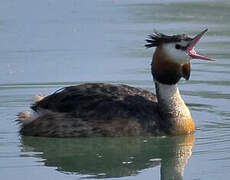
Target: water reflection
[(113, 157)]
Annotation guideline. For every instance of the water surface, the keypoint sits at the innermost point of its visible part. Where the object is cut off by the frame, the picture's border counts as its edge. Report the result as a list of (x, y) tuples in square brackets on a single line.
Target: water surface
[(46, 45)]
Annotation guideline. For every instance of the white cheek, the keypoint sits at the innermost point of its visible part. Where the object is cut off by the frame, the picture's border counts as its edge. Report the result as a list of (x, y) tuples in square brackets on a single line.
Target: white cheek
[(177, 55)]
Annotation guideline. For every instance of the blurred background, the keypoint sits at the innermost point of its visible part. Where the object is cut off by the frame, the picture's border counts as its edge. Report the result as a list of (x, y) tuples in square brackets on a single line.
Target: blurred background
[(49, 44)]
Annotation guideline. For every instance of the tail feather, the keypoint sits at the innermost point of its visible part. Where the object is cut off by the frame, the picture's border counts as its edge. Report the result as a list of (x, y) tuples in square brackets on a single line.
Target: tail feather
[(24, 117)]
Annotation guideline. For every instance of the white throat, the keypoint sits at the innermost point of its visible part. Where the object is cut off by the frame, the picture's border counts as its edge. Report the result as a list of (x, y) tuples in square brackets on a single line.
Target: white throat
[(172, 108)]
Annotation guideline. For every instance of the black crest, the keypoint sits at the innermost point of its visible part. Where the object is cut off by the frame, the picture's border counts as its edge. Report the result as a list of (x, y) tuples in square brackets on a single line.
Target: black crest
[(156, 39)]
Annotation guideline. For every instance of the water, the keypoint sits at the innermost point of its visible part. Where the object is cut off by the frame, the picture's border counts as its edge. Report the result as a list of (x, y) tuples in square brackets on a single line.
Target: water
[(46, 45)]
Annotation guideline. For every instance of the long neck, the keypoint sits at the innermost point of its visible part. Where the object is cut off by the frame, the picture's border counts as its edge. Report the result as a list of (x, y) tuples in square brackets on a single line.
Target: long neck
[(176, 117)]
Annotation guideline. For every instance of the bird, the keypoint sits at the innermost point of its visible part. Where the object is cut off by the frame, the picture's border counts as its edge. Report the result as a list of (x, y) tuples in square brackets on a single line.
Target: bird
[(100, 109)]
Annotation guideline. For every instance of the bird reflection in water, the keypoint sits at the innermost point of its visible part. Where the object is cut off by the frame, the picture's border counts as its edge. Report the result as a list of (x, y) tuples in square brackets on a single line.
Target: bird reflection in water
[(113, 157)]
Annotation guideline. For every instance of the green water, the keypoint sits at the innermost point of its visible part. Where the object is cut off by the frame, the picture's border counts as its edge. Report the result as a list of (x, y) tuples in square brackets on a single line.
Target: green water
[(46, 45)]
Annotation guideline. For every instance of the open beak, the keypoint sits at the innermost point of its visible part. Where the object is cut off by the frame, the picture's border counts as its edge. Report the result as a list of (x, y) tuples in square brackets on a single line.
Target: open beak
[(191, 51)]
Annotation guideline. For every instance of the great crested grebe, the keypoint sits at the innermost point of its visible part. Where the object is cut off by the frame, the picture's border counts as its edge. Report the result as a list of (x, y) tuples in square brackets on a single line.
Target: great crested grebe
[(97, 109)]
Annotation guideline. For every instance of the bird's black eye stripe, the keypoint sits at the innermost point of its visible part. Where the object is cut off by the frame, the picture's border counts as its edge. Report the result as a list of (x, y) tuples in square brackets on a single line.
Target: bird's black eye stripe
[(178, 46)]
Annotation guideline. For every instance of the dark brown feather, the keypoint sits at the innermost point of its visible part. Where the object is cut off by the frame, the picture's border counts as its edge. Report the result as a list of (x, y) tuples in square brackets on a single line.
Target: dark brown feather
[(156, 39), (186, 69), (96, 109)]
